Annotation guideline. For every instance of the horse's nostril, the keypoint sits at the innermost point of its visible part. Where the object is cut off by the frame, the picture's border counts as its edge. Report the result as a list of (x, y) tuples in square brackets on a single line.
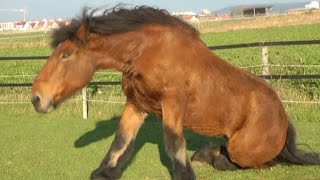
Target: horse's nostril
[(35, 100)]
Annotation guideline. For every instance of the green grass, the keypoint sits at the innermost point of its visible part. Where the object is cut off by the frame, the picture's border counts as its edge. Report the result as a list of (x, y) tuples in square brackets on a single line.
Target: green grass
[(307, 54), (280, 55), (62, 145), (309, 32)]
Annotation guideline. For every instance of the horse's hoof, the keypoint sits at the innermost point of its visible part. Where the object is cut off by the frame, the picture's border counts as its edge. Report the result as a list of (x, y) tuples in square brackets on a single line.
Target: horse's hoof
[(101, 175), (223, 164), (206, 154)]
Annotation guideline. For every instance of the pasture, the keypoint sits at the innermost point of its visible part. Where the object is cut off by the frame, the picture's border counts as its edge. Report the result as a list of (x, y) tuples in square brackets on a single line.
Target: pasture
[(62, 145)]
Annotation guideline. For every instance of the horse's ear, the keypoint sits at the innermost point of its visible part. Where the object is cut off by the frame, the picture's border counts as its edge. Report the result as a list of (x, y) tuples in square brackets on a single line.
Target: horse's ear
[(81, 35)]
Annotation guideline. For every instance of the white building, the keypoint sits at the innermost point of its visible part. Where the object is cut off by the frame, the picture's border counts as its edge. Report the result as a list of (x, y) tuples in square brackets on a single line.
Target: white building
[(188, 13), (7, 26), (313, 5), (205, 11)]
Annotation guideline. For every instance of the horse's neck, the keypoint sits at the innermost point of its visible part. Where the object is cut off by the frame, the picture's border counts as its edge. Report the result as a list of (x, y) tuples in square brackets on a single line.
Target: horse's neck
[(119, 50)]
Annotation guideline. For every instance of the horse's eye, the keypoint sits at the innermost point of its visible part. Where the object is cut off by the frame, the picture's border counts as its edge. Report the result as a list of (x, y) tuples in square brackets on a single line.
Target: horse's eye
[(65, 56)]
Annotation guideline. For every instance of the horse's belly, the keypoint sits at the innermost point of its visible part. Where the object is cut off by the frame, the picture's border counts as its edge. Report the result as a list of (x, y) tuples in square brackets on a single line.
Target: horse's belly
[(204, 130), (203, 125), (212, 118)]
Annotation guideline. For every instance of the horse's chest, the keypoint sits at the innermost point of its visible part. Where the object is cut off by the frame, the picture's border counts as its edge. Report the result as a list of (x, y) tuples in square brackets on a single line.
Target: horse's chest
[(144, 97)]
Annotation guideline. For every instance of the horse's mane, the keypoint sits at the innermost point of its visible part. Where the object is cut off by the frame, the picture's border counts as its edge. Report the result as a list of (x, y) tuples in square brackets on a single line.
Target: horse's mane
[(116, 20)]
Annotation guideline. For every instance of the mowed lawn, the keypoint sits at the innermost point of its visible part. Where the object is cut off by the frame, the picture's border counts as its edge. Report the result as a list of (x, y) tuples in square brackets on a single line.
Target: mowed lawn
[(62, 145)]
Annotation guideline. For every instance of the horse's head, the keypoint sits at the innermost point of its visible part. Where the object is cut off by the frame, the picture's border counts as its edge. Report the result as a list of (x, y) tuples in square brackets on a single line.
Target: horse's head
[(109, 41), (69, 68)]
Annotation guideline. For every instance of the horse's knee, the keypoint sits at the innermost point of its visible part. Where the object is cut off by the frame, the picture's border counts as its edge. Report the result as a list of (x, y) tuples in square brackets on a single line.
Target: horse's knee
[(120, 152), (173, 114), (175, 145), (121, 149), (176, 149)]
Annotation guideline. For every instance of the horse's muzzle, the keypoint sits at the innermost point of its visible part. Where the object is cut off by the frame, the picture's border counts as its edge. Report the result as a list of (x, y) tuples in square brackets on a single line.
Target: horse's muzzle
[(35, 100), (41, 105)]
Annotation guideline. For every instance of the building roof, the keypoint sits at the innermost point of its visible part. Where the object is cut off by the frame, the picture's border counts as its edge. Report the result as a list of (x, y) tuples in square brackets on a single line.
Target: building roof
[(240, 8), (255, 6)]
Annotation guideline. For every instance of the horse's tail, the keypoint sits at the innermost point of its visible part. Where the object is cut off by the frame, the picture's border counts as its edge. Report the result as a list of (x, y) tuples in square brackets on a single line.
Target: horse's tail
[(290, 154)]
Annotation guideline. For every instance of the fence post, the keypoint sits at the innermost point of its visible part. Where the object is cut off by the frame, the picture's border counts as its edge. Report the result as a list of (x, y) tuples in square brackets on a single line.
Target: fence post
[(84, 103), (265, 61)]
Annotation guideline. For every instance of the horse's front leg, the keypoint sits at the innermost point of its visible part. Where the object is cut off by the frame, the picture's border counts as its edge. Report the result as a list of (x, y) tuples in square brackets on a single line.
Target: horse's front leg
[(175, 145), (122, 145)]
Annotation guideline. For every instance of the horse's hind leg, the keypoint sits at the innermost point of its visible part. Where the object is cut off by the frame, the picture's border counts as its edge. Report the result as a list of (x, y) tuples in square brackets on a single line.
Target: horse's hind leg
[(217, 156), (174, 141), (258, 143), (206, 154), (122, 145), (222, 162)]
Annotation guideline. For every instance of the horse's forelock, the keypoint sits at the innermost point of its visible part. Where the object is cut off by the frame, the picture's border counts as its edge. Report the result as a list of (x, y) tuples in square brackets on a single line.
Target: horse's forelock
[(65, 32)]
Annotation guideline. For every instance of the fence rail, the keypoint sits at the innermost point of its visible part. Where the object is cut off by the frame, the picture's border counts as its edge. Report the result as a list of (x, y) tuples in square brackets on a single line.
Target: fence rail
[(264, 65), (261, 44), (220, 47), (24, 58), (108, 83), (113, 83)]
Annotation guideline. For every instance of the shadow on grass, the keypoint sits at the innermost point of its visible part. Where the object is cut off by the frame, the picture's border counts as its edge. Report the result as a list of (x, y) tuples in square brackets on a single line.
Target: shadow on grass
[(150, 132)]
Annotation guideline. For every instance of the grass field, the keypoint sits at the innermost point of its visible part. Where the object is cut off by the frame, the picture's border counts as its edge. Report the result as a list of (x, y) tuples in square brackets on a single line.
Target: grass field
[(306, 18), (62, 145)]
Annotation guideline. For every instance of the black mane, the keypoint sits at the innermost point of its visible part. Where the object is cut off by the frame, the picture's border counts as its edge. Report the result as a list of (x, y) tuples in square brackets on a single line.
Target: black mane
[(116, 20)]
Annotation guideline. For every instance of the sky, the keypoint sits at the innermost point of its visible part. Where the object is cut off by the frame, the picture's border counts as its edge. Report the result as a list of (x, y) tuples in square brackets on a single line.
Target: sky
[(40, 9)]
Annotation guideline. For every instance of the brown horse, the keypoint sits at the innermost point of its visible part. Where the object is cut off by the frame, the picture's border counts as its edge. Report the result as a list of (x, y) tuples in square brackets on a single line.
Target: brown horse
[(167, 70)]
